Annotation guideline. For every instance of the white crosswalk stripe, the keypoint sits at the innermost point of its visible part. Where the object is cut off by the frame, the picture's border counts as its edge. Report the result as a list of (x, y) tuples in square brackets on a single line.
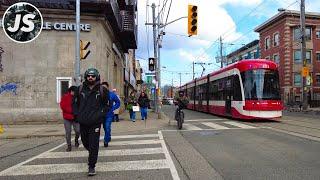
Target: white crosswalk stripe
[(240, 125), (126, 141), (214, 125), (190, 127)]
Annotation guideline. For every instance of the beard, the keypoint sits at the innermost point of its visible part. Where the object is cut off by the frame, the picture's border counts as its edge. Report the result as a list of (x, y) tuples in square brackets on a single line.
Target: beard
[(91, 82)]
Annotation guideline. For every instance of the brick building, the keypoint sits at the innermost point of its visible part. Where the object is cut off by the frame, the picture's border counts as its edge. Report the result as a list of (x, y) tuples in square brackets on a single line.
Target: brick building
[(34, 76), (280, 42)]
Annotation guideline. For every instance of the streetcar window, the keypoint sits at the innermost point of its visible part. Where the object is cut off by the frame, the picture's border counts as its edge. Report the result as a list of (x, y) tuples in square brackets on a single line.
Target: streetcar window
[(237, 96), (261, 84)]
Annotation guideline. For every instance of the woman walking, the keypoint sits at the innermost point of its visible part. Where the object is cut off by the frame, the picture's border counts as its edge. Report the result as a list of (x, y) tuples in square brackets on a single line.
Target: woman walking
[(143, 102), (132, 101), (116, 112)]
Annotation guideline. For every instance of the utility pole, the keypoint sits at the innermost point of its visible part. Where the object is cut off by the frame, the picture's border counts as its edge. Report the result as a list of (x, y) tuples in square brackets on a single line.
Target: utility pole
[(303, 53), (193, 70), (221, 57), (155, 48), (172, 87), (77, 50), (180, 79)]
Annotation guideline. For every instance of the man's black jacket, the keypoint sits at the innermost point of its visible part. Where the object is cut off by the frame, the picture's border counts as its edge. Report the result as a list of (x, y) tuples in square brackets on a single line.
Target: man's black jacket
[(91, 106)]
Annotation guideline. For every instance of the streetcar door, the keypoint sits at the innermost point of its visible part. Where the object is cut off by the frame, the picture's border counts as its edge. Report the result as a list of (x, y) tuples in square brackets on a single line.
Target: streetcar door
[(228, 96)]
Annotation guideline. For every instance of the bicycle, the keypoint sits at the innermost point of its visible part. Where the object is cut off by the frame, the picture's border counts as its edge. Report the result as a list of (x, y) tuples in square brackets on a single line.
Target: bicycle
[(179, 118)]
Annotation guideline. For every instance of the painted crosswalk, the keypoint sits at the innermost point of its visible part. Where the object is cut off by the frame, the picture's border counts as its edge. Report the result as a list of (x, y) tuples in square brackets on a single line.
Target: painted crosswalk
[(216, 124), (56, 161)]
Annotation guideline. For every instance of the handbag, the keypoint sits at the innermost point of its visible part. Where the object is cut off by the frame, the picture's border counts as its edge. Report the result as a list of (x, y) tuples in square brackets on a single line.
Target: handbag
[(135, 108)]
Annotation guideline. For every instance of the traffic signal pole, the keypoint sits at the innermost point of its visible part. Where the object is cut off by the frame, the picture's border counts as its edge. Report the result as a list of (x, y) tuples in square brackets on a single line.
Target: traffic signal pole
[(77, 48), (303, 54)]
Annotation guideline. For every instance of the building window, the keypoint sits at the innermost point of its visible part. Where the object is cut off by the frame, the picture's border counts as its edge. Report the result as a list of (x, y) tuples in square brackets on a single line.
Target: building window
[(276, 40), (276, 58), (297, 32), (318, 34), (63, 83), (318, 56), (267, 43), (318, 79), (297, 56), (297, 79), (267, 57)]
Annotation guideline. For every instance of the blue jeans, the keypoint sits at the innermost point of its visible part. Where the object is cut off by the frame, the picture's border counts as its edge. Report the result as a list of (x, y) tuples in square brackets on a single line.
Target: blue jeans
[(132, 114), (107, 129), (144, 112)]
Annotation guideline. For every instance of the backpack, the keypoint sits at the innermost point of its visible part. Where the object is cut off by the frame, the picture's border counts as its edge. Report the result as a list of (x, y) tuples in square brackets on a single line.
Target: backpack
[(88, 115)]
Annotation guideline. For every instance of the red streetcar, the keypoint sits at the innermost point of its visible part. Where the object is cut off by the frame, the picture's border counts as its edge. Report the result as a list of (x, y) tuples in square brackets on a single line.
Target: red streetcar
[(248, 89)]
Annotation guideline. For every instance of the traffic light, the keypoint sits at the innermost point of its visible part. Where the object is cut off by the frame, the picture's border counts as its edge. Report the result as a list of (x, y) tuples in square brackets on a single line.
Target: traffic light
[(84, 52), (192, 20), (151, 64)]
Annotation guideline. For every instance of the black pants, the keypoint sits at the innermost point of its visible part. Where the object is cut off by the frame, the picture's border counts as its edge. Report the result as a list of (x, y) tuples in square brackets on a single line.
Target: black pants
[(90, 136)]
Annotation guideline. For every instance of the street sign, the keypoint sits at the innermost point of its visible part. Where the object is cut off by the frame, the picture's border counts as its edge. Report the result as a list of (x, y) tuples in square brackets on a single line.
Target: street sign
[(305, 72), (150, 74)]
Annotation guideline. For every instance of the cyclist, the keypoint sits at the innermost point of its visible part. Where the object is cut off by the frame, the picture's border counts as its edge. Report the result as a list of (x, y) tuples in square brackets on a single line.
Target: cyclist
[(181, 101)]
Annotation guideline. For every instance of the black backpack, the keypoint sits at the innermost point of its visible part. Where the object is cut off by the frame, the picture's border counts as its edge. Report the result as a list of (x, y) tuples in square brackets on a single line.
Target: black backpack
[(96, 111)]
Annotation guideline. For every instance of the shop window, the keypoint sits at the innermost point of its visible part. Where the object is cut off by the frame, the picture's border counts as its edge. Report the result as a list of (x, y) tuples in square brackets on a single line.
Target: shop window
[(63, 83), (276, 40), (297, 79)]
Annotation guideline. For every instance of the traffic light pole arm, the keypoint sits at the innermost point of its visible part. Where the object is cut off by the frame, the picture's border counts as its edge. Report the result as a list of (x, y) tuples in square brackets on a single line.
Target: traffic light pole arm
[(164, 25)]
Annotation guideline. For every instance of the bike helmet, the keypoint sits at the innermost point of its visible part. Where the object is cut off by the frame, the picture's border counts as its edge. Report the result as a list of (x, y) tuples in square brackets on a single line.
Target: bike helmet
[(92, 71)]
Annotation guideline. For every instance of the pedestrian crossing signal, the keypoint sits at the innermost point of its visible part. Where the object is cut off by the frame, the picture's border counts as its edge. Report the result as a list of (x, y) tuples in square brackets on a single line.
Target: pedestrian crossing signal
[(151, 64), (192, 20), (84, 51)]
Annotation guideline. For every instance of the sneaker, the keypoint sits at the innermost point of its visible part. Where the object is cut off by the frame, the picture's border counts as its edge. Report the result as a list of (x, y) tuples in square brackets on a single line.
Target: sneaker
[(106, 144), (91, 172), (76, 144), (142, 119), (68, 148)]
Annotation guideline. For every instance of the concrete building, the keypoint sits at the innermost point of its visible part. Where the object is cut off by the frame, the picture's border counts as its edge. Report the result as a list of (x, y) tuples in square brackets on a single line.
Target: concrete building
[(247, 51), (280, 41), (34, 76)]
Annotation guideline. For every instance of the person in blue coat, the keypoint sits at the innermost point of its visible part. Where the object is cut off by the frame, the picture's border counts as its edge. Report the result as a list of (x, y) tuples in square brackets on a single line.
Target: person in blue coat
[(115, 102)]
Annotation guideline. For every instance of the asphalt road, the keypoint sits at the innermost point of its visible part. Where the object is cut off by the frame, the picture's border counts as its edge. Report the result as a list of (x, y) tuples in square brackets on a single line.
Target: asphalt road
[(251, 150)]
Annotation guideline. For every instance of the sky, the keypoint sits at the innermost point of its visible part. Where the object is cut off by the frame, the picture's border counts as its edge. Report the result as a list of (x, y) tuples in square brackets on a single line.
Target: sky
[(233, 20)]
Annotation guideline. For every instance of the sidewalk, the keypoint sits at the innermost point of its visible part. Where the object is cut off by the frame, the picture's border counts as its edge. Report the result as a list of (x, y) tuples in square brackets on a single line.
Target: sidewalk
[(57, 129)]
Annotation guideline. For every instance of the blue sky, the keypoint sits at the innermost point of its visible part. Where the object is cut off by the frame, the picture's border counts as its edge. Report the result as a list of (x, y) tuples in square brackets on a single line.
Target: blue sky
[(234, 20)]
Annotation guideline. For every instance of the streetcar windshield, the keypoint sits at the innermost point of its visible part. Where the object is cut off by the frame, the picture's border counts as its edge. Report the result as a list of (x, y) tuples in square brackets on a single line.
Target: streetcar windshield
[(261, 84)]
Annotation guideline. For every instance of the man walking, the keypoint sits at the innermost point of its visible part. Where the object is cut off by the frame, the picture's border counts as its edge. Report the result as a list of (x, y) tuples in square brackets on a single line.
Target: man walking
[(91, 106), (115, 103), (67, 112)]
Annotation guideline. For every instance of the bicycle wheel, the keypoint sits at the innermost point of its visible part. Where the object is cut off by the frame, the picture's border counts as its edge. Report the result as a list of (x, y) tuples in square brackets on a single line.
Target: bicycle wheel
[(179, 122)]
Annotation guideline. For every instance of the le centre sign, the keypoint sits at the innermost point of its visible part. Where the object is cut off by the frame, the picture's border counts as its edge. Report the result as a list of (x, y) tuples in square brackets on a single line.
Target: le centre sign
[(63, 26)]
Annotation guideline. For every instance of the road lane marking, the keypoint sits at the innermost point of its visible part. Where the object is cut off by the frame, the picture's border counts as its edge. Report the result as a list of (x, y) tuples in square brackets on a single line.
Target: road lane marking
[(83, 167), (132, 136), (191, 127), (240, 125), (173, 170), (120, 152), (296, 134), (215, 126), (134, 142)]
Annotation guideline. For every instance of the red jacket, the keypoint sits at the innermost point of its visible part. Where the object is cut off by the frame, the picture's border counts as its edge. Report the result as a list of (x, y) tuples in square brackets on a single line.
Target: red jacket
[(66, 106)]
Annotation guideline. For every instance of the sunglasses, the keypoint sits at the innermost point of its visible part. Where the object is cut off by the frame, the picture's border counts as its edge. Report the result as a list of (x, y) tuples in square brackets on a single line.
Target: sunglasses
[(93, 76)]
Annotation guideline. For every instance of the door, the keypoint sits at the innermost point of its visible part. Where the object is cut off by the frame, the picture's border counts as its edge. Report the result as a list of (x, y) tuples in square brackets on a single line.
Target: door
[(228, 96)]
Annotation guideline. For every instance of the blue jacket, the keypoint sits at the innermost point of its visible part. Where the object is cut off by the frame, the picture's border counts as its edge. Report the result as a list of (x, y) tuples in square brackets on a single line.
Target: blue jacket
[(115, 102)]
